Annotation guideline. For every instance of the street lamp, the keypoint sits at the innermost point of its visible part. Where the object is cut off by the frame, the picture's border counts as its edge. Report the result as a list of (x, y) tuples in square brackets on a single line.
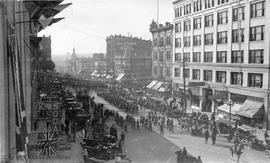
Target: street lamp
[(230, 103)]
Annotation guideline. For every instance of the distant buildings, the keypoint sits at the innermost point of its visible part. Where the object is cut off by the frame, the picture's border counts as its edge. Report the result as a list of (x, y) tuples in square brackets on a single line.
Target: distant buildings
[(162, 49), (99, 62), (84, 66), (130, 56)]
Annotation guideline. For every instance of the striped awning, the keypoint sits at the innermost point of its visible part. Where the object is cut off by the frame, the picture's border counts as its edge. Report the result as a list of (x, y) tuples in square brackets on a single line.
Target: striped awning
[(149, 86), (120, 76), (157, 86)]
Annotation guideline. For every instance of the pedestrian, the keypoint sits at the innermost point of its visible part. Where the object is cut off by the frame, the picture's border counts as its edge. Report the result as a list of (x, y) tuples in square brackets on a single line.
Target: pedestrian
[(213, 138), (206, 134), (199, 160), (125, 127), (122, 136), (138, 125), (184, 154)]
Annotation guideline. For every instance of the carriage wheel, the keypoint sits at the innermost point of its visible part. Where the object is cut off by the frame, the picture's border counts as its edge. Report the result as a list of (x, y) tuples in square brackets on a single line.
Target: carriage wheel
[(267, 153)]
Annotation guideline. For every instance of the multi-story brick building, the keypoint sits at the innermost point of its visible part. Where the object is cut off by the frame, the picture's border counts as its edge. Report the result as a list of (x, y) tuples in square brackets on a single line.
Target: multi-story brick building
[(230, 64), (162, 49), (130, 56)]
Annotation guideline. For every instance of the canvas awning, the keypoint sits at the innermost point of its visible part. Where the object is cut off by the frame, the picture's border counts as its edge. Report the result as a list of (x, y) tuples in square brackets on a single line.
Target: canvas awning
[(157, 86), (120, 76), (151, 84), (162, 89), (226, 108), (250, 108)]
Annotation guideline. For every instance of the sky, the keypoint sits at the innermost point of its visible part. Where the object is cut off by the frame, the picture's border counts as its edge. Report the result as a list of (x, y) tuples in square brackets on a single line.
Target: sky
[(87, 23)]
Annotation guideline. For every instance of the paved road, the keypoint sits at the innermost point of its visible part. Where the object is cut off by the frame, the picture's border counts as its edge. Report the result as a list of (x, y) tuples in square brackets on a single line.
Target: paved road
[(218, 153)]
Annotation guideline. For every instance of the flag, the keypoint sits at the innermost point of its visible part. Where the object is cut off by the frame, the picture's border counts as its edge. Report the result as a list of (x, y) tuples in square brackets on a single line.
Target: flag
[(47, 143), (45, 21), (52, 11)]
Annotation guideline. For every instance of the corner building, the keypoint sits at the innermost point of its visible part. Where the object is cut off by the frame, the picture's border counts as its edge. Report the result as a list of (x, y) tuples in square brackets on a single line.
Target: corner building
[(225, 47)]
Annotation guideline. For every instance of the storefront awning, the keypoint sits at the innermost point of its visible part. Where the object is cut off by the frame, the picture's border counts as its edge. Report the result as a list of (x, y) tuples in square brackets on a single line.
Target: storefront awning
[(149, 86), (157, 86), (162, 89), (120, 76), (250, 108), (226, 108)]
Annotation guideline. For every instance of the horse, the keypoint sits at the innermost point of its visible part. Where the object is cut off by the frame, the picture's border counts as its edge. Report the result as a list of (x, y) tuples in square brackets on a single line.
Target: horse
[(237, 149)]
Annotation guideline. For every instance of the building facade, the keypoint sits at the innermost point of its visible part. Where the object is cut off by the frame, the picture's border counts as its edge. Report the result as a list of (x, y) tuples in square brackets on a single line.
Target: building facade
[(162, 48), (77, 65), (129, 55), (223, 44)]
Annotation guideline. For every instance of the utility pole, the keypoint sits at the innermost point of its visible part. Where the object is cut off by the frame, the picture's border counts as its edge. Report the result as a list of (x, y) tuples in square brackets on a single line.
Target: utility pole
[(157, 11), (184, 66)]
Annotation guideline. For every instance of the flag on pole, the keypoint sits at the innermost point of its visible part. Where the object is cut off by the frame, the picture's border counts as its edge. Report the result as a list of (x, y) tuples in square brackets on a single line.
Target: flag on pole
[(45, 21)]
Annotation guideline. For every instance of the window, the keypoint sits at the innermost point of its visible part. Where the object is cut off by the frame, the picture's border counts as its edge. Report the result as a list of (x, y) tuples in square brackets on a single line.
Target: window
[(186, 73), (257, 9), (196, 74), (235, 36), (176, 72), (208, 39), (197, 23), (237, 56), (197, 5), (177, 12), (155, 56), (240, 14), (155, 70), (187, 9), (222, 17), (208, 57), (256, 56), (186, 41), (178, 27), (222, 1), (161, 41), (187, 25), (221, 76), (197, 57), (168, 55), (209, 20), (222, 37), (186, 57), (237, 78), (257, 33), (168, 71), (177, 57), (222, 57), (161, 57), (161, 71), (209, 3), (168, 39), (178, 42), (255, 80), (197, 40), (207, 75), (155, 42)]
